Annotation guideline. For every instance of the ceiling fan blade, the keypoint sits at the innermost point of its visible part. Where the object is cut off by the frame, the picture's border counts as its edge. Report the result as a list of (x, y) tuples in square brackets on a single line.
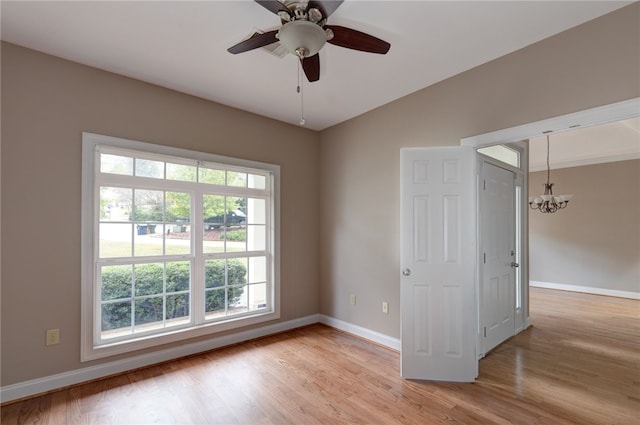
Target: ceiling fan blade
[(327, 7), (352, 39), (273, 6), (311, 66), (257, 40)]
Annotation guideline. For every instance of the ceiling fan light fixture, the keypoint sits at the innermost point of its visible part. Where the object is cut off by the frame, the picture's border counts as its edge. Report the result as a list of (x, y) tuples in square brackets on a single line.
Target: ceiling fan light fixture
[(314, 15), (302, 38)]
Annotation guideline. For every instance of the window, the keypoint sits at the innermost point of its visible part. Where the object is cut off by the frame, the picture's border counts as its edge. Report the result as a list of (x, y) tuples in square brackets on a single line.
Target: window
[(502, 153), (176, 244)]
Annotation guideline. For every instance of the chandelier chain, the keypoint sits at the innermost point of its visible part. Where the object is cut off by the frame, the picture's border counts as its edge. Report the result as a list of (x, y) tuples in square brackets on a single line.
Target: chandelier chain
[(548, 166)]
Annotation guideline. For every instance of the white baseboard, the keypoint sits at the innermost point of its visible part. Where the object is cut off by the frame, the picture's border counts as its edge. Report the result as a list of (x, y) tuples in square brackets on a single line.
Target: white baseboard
[(78, 376), (377, 337), (586, 289), (65, 379)]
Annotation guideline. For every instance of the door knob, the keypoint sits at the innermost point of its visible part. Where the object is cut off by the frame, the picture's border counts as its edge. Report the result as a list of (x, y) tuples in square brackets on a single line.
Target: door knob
[(406, 272), (514, 264)]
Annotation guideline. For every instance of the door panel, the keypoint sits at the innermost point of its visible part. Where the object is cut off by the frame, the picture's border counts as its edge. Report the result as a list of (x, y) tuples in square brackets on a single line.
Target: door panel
[(498, 240), (438, 262)]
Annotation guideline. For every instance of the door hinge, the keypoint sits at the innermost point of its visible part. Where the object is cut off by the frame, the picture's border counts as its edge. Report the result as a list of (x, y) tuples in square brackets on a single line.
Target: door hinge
[(484, 257), (484, 184), (485, 331)]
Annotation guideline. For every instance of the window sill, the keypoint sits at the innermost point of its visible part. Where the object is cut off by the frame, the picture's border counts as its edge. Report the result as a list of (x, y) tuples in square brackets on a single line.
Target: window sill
[(90, 353)]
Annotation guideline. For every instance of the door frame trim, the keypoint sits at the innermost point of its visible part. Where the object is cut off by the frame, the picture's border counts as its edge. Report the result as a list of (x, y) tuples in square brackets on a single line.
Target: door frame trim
[(617, 111)]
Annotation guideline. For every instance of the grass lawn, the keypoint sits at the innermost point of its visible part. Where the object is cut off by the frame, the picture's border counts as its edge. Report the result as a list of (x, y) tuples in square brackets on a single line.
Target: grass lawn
[(114, 248)]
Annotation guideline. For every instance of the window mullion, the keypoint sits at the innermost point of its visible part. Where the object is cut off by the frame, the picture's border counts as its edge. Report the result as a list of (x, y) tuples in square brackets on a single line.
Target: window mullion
[(197, 282)]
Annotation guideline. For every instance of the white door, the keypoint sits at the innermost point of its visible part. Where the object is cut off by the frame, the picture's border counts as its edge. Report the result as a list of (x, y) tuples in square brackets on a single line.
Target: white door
[(438, 224), (497, 286)]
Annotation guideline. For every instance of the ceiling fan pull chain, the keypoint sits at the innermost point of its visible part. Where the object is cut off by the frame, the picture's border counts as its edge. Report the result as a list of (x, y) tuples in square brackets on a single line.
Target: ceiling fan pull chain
[(301, 91)]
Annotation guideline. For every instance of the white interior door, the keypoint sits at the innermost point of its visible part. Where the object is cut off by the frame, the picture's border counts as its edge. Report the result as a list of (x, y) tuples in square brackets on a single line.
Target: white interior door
[(438, 222), (497, 287)]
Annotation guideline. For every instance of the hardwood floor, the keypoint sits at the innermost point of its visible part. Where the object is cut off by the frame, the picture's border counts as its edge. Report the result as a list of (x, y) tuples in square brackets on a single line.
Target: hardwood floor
[(578, 364)]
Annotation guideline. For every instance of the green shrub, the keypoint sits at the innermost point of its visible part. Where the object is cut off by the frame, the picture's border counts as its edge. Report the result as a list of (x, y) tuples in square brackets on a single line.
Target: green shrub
[(236, 235), (118, 281), (214, 275)]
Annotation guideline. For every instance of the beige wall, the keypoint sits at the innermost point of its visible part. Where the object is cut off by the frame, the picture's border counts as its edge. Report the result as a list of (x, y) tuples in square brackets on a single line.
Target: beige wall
[(46, 105), (591, 65), (595, 241)]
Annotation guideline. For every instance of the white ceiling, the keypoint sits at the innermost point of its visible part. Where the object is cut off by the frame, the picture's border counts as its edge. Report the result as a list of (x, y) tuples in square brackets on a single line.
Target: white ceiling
[(182, 45)]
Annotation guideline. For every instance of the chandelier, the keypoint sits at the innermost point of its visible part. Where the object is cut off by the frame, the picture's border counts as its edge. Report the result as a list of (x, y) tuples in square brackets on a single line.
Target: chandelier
[(549, 203)]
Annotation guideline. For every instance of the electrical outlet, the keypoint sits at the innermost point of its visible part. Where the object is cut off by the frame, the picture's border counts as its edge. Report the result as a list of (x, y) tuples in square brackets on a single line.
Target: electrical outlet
[(385, 307), (352, 299), (53, 337)]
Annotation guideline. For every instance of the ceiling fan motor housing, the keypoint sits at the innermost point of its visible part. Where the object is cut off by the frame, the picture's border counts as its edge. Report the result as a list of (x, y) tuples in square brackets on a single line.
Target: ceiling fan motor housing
[(302, 38), (305, 31)]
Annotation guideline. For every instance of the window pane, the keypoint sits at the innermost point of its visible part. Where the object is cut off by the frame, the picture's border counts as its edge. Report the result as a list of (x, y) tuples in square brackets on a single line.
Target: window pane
[(215, 302), (213, 211), (236, 211), (148, 168), (236, 239), (181, 172), (116, 164), (213, 216), (116, 282), (211, 176), (178, 275), (215, 273), (238, 302), (148, 279), (115, 203), (236, 179), (213, 241), (502, 153), (257, 269), (115, 240), (237, 271), (177, 239), (257, 296), (178, 207), (177, 306), (256, 238), (178, 232), (116, 316), (256, 211), (235, 221), (148, 205), (148, 240), (220, 302), (256, 181), (149, 310)]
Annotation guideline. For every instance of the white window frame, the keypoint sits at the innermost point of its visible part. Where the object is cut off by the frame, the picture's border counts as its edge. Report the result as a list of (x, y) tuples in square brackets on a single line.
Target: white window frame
[(91, 346)]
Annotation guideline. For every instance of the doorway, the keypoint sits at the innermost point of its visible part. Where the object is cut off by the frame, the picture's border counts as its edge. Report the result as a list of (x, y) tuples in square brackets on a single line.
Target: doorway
[(498, 266), (441, 314)]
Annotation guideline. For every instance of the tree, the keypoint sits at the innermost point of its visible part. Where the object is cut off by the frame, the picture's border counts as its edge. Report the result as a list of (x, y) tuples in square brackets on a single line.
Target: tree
[(178, 206)]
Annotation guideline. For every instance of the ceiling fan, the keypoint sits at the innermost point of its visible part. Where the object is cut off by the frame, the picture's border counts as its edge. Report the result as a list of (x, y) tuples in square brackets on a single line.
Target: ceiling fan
[(304, 31)]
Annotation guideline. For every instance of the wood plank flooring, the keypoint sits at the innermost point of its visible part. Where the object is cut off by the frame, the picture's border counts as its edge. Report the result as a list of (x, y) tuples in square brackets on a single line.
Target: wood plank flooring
[(578, 364)]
